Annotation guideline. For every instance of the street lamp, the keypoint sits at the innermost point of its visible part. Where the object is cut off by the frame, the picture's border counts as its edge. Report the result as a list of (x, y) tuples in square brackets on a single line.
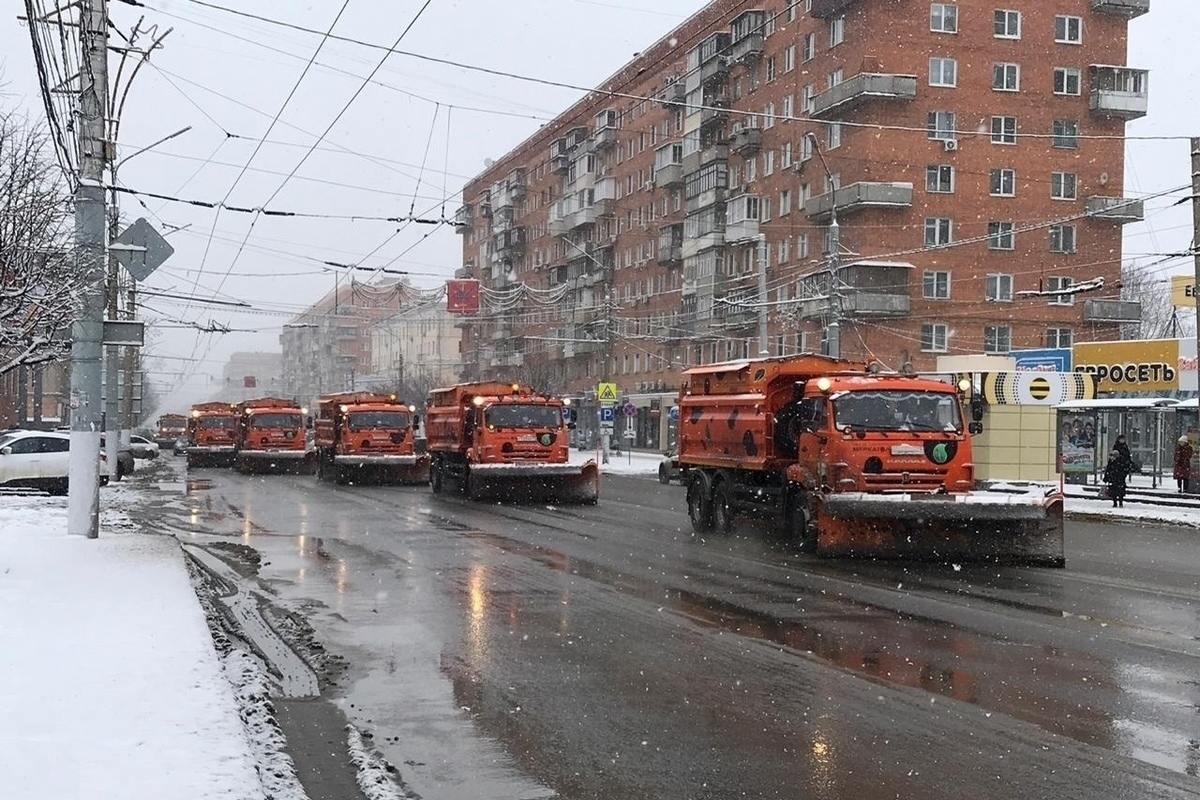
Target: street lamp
[(834, 311)]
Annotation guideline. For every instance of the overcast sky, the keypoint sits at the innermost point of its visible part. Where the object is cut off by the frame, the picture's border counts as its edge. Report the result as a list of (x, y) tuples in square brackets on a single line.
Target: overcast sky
[(227, 77)]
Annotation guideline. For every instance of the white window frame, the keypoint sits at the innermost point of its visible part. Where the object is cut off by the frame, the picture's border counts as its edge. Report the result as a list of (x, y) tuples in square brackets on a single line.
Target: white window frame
[(943, 71), (1068, 22), (942, 230), (837, 31), (1068, 81), (1060, 282), (1006, 76), (1002, 235), (936, 129), (1003, 137), (1001, 339), (1064, 186), (1058, 334), (938, 175), (1059, 236), (942, 22), (940, 284), (789, 58), (1056, 137), (809, 50), (998, 288), (1006, 17), (834, 138), (935, 337), (1002, 182)]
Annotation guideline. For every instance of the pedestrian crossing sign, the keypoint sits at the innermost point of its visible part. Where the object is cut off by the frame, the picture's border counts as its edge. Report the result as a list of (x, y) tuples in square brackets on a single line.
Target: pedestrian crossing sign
[(606, 392)]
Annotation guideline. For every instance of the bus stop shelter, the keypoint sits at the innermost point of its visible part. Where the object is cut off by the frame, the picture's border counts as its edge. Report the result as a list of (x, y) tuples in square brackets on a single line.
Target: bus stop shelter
[(1087, 430)]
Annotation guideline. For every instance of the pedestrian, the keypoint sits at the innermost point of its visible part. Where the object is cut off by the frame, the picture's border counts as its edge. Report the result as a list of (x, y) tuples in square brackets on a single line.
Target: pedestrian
[(1122, 447), (1115, 474), (1183, 464)]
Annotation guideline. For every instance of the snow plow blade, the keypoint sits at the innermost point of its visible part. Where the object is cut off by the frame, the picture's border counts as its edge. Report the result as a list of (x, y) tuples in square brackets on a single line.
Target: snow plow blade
[(557, 483), (991, 527)]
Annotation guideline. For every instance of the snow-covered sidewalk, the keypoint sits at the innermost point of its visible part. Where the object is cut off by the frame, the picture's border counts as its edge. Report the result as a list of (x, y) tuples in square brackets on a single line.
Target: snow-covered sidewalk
[(109, 682), (631, 463)]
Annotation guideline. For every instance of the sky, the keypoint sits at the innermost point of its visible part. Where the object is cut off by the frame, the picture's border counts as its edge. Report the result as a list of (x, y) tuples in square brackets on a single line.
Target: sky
[(406, 144)]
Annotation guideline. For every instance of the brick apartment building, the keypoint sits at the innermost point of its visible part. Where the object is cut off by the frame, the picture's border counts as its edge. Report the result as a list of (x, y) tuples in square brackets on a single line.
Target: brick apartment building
[(973, 153)]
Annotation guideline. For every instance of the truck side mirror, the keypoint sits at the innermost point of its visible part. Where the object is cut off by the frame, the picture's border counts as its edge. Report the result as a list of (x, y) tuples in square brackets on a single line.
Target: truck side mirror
[(309, 421), (570, 426), (977, 408), (975, 428), (416, 420)]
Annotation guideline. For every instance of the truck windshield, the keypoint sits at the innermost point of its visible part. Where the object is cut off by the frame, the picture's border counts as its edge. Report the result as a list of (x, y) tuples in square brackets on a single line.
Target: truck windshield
[(378, 420), (897, 411), (216, 423), (515, 415), (275, 421)]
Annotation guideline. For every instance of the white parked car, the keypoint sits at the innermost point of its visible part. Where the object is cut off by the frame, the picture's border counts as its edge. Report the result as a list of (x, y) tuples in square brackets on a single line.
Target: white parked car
[(39, 460), (141, 447)]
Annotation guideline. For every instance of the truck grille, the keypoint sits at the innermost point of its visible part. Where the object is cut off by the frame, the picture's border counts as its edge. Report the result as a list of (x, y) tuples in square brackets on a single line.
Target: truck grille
[(904, 481)]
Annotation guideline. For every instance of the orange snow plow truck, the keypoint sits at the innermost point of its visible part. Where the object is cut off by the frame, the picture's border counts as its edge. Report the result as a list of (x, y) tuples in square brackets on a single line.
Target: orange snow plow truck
[(852, 461), (212, 435), (170, 428), (272, 436), (362, 435), (503, 439)]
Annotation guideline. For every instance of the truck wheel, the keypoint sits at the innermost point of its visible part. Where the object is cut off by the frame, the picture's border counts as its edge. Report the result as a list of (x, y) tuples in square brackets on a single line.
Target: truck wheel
[(341, 475), (799, 528), (722, 508), (437, 480), (699, 501), (474, 485), (663, 475)]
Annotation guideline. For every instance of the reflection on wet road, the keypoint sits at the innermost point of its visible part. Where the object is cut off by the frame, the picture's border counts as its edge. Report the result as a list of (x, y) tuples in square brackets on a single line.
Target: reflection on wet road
[(508, 651)]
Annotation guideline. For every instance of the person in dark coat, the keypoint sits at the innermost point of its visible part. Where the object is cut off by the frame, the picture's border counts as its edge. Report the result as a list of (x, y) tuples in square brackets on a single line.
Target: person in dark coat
[(1183, 464), (1115, 475), (1122, 447)]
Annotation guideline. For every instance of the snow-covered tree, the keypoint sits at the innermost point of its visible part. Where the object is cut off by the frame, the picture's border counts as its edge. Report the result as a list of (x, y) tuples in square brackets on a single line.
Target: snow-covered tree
[(39, 284), (1152, 288)]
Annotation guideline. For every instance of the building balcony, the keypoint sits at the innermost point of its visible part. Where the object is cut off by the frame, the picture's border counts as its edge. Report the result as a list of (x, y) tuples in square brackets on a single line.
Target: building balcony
[(698, 244), (748, 48), (824, 9), (866, 86), (508, 360), (669, 175), (463, 218), (859, 304), (746, 141), (1119, 91), (604, 138), (675, 91), (510, 242), (559, 227), (1117, 209), (858, 196), (705, 199), (704, 157), (1122, 8), (1112, 311)]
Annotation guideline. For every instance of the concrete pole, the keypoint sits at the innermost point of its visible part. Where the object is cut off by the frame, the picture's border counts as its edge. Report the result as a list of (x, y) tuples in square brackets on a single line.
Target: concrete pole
[(1195, 143), (834, 326), (83, 502), (764, 346), (112, 427)]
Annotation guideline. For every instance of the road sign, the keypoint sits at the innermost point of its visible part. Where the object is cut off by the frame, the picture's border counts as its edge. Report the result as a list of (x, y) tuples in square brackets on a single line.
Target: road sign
[(606, 392), (140, 249), (124, 332), (674, 413), (607, 415), (629, 409)]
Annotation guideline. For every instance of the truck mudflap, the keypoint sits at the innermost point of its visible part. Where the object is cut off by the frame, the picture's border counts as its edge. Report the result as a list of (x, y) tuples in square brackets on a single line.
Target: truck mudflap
[(401, 469), (1023, 527), (564, 483)]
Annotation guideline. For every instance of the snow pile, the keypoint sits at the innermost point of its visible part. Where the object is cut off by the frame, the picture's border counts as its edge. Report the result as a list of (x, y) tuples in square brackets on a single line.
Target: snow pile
[(252, 690), (633, 464), (376, 777)]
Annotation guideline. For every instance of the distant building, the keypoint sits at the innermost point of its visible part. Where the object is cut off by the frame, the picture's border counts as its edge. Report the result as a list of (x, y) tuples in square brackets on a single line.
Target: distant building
[(35, 396), (327, 348), (974, 157), (418, 345)]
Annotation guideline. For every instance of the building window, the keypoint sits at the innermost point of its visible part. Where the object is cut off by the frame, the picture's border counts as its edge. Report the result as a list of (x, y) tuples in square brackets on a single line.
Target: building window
[(785, 202), (943, 17), (770, 69), (1060, 283), (1067, 81), (1001, 236), (806, 149), (1004, 182), (785, 251), (837, 31), (1008, 24), (939, 179), (768, 163), (936, 285), (769, 116), (769, 25), (1063, 185), (1059, 337), (790, 11), (1066, 134), (785, 155), (943, 72), (1004, 130), (1006, 77), (802, 245), (940, 124), (933, 338), (835, 136), (806, 98), (809, 51), (1062, 238), (939, 231), (1068, 30), (789, 58), (836, 77), (999, 288), (997, 338)]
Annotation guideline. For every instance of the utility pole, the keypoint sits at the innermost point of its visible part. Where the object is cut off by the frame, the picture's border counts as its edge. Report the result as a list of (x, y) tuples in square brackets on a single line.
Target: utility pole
[(112, 426), (833, 325), (1195, 143), (764, 348), (83, 503)]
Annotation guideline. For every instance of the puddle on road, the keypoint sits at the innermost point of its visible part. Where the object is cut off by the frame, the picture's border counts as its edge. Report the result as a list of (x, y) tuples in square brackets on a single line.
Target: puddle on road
[(199, 484)]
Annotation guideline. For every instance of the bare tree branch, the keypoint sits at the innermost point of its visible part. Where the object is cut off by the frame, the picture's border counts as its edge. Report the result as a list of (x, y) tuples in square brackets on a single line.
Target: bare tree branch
[(1160, 319)]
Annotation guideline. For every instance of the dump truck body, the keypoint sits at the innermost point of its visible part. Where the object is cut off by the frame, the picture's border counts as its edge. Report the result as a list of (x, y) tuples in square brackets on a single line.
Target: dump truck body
[(169, 428), (272, 437), (851, 461), (504, 440), (363, 436), (212, 435)]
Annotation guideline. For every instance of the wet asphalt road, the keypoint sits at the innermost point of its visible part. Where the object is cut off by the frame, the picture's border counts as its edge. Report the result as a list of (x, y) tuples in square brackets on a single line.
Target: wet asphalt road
[(505, 651)]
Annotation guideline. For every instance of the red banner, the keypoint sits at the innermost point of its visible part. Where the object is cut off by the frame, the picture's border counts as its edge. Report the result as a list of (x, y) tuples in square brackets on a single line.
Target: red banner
[(462, 297)]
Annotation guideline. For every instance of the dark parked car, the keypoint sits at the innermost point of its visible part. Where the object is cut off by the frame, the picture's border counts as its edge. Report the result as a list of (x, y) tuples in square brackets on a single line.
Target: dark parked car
[(124, 460), (180, 447), (669, 469)]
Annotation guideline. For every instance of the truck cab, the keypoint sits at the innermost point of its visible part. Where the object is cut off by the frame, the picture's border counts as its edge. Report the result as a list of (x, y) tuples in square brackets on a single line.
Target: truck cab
[(363, 435), (212, 434)]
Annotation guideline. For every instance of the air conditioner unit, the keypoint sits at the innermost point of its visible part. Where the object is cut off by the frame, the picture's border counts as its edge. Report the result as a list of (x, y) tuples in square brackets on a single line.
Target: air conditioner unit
[(950, 144)]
